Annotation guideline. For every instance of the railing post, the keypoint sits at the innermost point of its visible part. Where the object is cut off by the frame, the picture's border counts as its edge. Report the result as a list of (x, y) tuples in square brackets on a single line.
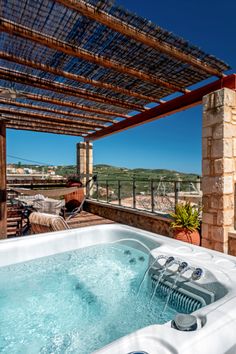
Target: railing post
[(177, 188), (97, 189), (107, 191), (134, 193), (119, 196), (152, 197)]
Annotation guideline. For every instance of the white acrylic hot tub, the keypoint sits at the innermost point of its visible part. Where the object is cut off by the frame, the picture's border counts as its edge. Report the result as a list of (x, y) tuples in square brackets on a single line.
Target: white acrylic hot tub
[(216, 321)]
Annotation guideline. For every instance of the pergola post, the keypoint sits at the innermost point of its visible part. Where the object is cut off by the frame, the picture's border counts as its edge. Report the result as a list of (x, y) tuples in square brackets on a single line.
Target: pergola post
[(85, 161), (89, 163), (218, 168), (3, 192)]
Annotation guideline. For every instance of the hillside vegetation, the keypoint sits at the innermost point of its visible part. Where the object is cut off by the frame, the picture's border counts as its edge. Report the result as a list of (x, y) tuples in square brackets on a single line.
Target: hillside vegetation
[(112, 172), (105, 172)]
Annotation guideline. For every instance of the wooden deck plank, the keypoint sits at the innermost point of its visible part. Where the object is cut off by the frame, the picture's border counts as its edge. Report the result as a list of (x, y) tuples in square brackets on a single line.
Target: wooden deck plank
[(87, 219), (81, 220)]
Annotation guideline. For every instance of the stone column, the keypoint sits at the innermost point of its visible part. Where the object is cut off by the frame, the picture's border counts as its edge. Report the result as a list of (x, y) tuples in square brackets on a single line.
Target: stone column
[(89, 164), (218, 166), (85, 161), (81, 160), (3, 192)]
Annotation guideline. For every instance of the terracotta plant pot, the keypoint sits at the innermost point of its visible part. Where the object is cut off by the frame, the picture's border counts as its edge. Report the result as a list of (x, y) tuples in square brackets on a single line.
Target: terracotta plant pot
[(187, 236)]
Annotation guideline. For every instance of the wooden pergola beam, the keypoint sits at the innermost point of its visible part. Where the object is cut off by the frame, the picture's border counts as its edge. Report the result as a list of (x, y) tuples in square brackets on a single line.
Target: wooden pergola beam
[(43, 129), (72, 50), (50, 118), (178, 104), (75, 77), (63, 103), (41, 123), (26, 120), (31, 80), (128, 30), (29, 123), (3, 183), (44, 109)]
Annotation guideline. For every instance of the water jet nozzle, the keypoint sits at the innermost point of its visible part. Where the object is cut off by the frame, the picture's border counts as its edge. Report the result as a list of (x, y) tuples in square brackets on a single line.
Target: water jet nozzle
[(197, 274), (182, 267), (169, 261)]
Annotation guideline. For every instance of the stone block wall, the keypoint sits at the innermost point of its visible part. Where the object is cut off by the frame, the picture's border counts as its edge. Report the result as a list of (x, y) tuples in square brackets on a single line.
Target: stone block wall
[(218, 168), (136, 218), (232, 244)]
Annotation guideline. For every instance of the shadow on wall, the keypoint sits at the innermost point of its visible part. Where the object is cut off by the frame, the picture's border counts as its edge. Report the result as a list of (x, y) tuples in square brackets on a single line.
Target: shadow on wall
[(136, 218)]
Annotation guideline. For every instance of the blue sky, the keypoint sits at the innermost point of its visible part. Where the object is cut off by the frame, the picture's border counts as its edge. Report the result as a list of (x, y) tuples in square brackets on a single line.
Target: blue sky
[(173, 142)]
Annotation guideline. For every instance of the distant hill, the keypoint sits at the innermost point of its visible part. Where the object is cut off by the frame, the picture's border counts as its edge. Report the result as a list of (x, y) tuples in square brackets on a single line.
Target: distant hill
[(112, 172)]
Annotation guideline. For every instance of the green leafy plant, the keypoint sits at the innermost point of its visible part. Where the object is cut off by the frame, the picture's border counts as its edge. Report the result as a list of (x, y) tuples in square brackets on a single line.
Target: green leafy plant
[(72, 180), (186, 217)]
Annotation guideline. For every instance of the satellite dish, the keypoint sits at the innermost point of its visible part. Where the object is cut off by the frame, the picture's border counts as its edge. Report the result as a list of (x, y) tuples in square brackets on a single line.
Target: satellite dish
[(10, 93)]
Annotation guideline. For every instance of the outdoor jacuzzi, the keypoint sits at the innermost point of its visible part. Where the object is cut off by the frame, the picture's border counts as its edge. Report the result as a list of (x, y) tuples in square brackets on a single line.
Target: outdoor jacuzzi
[(86, 291)]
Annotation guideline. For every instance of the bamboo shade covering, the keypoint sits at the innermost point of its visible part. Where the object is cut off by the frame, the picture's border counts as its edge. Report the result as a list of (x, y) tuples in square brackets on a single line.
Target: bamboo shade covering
[(90, 62)]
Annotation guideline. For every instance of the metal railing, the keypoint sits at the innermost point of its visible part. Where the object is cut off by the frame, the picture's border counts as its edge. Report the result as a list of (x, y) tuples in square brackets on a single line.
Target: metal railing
[(153, 195)]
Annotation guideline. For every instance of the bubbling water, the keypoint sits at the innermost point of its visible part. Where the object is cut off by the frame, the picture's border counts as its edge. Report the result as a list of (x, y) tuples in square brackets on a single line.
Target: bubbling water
[(77, 301)]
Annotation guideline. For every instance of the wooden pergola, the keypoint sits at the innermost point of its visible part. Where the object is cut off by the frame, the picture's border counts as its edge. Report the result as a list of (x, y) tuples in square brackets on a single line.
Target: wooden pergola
[(89, 68)]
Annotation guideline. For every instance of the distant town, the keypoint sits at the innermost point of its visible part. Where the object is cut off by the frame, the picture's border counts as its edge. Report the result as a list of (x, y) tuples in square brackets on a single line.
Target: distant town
[(45, 172), (31, 172)]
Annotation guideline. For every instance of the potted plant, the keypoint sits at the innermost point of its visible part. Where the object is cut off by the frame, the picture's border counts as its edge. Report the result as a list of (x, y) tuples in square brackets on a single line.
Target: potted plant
[(73, 181), (186, 223)]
